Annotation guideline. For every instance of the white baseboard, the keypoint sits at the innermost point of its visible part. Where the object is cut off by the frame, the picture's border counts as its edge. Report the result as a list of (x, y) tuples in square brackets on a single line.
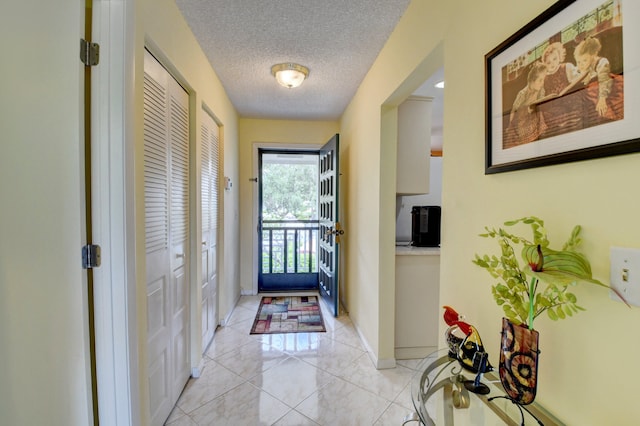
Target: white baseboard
[(225, 321), (380, 364), (383, 364), (197, 371)]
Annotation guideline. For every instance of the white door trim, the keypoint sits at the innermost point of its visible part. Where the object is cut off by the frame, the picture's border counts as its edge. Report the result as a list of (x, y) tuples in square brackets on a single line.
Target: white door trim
[(254, 240), (113, 214)]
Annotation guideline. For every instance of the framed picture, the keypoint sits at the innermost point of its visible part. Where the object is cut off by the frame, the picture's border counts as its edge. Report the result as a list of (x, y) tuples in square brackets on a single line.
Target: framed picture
[(565, 87)]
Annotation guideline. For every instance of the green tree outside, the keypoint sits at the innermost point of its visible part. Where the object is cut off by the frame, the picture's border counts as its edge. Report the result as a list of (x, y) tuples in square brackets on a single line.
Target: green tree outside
[(289, 191)]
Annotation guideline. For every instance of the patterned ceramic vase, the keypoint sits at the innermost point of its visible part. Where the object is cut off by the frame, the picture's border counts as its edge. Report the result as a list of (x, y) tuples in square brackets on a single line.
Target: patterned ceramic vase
[(519, 362)]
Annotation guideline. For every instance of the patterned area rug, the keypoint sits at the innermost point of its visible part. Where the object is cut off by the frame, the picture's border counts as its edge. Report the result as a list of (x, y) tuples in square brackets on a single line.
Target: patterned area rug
[(288, 314)]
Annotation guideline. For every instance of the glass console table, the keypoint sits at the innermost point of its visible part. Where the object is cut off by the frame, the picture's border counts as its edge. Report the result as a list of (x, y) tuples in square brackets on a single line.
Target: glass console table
[(440, 398)]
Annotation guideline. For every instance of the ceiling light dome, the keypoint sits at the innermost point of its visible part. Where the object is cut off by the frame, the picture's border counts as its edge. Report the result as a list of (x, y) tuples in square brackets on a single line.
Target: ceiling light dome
[(289, 75)]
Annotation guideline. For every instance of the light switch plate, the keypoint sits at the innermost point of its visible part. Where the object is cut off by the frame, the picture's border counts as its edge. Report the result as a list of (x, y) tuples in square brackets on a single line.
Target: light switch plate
[(625, 274)]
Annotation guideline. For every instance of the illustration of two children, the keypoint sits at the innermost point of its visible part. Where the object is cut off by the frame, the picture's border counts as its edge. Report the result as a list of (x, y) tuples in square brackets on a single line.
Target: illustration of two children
[(561, 97)]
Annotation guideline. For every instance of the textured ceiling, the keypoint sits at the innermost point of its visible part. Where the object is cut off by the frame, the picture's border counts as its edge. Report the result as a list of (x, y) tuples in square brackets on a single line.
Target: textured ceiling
[(338, 40)]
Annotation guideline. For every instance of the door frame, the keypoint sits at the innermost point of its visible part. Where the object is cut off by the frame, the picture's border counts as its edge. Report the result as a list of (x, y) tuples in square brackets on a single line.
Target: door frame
[(255, 252), (286, 279), (113, 187)]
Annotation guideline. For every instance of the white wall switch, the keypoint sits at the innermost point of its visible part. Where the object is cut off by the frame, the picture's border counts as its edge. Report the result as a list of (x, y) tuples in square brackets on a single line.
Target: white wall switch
[(625, 274)]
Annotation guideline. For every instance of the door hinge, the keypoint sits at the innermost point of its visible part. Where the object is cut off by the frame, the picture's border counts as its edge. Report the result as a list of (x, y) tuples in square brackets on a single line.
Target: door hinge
[(90, 256), (89, 53)]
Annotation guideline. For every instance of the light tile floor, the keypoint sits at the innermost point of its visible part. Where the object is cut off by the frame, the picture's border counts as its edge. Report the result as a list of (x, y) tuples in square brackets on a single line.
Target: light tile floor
[(292, 379)]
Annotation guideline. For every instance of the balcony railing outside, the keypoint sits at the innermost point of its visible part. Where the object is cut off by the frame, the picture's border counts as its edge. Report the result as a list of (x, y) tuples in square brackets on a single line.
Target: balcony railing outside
[(289, 246)]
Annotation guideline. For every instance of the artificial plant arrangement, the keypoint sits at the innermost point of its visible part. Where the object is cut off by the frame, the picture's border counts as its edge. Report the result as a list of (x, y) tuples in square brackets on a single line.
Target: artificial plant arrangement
[(542, 284)]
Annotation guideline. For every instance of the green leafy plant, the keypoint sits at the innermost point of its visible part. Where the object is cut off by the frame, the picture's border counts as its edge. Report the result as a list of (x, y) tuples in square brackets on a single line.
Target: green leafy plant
[(521, 292)]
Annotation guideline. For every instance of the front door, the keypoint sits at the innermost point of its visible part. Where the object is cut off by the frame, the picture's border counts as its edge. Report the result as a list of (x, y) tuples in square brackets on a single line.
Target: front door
[(330, 230), (288, 220)]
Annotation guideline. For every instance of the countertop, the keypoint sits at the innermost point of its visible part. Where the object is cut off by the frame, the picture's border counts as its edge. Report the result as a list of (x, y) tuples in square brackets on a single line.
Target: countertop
[(405, 250)]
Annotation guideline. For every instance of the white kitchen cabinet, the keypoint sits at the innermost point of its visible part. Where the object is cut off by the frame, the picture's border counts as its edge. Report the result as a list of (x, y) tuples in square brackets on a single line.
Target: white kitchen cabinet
[(414, 146), (417, 301)]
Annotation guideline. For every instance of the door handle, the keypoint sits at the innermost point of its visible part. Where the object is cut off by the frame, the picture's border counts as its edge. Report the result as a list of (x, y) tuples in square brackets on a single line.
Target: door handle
[(337, 231)]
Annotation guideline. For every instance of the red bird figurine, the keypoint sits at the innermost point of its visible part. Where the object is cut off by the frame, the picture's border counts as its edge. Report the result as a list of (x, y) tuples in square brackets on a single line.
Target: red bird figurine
[(464, 349), (452, 318), (450, 315)]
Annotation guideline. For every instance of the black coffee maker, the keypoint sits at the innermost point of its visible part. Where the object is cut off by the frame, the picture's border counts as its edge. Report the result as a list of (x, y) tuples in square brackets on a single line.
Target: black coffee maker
[(425, 226)]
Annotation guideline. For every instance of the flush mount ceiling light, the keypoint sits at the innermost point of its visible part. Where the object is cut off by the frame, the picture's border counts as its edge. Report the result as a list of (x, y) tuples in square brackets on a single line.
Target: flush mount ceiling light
[(440, 84), (289, 75)]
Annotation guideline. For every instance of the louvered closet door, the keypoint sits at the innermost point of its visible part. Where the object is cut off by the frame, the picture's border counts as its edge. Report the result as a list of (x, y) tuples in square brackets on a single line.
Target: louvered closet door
[(166, 192), (210, 187)]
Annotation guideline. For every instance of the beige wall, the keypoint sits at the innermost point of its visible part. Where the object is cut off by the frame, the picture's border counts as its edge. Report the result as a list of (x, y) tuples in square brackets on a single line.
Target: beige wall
[(587, 368), (163, 30), (587, 365), (271, 133), (368, 130), (44, 326), (579, 366)]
